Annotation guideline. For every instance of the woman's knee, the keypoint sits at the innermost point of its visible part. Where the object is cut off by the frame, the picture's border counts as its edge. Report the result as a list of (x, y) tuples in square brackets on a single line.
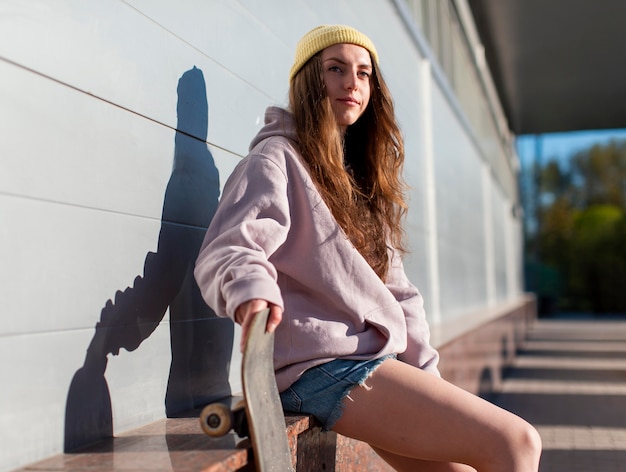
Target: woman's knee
[(533, 440), (525, 446)]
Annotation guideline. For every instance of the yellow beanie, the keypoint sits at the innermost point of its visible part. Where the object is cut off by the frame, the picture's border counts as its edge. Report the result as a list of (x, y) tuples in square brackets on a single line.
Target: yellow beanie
[(328, 35)]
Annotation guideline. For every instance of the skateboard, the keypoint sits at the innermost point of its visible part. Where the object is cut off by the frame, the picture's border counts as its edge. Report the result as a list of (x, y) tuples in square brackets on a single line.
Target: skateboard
[(259, 415)]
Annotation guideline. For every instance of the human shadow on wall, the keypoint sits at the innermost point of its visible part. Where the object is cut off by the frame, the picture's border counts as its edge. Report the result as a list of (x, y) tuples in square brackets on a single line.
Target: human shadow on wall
[(201, 343)]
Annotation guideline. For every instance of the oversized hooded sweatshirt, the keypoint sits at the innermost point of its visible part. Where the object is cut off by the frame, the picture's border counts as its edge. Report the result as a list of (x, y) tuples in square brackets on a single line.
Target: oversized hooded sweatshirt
[(274, 238)]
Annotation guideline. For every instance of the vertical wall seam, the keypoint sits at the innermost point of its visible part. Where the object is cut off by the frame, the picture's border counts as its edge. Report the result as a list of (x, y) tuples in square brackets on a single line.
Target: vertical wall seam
[(430, 204), (489, 234)]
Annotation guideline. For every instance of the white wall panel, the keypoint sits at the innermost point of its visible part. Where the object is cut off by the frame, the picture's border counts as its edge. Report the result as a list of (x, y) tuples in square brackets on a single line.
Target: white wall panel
[(112, 51), (515, 256), (459, 213), (231, 36), (501, 213), (65, 146), (42, 366), (137, 381), (99, 47), (63, 262)]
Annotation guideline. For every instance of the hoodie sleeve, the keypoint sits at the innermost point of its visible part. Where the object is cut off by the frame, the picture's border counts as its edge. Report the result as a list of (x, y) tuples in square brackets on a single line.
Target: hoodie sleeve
[(419, 352), (251, 223)]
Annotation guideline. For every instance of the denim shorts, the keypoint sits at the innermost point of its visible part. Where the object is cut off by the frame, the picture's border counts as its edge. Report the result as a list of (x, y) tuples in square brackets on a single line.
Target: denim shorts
[(320, 390)]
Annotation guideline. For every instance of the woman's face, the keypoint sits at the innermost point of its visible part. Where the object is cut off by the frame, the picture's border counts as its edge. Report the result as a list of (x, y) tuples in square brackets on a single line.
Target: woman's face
[(347, 71)]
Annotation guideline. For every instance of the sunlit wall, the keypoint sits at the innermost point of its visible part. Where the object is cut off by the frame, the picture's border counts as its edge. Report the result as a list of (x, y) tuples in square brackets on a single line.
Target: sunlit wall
[(121, 120)]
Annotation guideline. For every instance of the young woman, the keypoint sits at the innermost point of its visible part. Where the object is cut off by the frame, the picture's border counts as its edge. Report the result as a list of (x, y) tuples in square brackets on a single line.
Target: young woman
[(309, 225)]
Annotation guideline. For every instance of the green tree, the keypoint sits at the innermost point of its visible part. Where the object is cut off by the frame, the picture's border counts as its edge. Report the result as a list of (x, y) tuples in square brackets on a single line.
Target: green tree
[(599, 175), (581, 229), (598, 266)]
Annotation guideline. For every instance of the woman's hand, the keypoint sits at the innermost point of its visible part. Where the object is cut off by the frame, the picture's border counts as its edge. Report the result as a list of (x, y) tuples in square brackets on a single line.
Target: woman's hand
[(246, 311)]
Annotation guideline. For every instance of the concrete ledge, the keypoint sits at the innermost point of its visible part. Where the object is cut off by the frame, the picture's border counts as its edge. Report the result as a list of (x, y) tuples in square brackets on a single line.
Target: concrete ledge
[(446, 332), (475, 350), (178, 444)]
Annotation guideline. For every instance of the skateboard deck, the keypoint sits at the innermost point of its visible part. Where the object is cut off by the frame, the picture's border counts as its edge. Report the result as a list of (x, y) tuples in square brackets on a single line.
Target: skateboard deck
[(264, 421)]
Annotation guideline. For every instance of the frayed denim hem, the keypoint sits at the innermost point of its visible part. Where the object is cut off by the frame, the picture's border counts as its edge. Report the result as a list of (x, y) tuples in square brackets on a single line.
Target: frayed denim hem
[(321, 390)]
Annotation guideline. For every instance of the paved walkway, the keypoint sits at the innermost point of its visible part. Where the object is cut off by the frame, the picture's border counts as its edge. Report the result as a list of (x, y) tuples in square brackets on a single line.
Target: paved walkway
[(570, 383)]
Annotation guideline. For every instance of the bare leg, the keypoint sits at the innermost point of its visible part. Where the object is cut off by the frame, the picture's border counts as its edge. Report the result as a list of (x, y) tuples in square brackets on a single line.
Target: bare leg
[(406, 413), (406, 463)]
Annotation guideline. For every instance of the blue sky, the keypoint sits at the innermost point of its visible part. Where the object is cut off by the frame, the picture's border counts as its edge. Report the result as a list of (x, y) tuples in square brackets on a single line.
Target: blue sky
[(562, 146)]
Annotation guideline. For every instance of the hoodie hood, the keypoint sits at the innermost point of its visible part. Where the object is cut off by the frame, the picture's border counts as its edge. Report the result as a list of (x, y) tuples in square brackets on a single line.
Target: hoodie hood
[(278, 122)]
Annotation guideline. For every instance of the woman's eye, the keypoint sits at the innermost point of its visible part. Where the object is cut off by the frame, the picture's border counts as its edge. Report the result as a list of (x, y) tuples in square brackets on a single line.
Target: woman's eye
[(334, 69), (364, 74)]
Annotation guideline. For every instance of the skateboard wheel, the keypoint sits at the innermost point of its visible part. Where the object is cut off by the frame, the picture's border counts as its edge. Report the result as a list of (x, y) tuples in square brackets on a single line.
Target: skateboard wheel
[(216, 419)]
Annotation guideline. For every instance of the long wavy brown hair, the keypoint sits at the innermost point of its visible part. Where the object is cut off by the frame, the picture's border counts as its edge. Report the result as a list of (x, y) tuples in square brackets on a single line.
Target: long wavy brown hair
[(359, 174)]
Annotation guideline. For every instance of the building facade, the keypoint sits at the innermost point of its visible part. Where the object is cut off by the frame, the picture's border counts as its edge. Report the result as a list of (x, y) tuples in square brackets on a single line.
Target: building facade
[(121, 120)]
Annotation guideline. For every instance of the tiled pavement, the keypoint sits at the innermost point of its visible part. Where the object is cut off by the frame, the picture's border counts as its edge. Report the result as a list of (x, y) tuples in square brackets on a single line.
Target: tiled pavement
[(569, 381)]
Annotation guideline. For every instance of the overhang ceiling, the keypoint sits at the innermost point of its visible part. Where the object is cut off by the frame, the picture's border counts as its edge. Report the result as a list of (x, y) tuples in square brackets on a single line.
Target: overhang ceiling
[(558, 65)]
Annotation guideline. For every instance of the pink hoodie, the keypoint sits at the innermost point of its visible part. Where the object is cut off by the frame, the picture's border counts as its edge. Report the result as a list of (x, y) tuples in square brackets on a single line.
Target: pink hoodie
[(274, 238)]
